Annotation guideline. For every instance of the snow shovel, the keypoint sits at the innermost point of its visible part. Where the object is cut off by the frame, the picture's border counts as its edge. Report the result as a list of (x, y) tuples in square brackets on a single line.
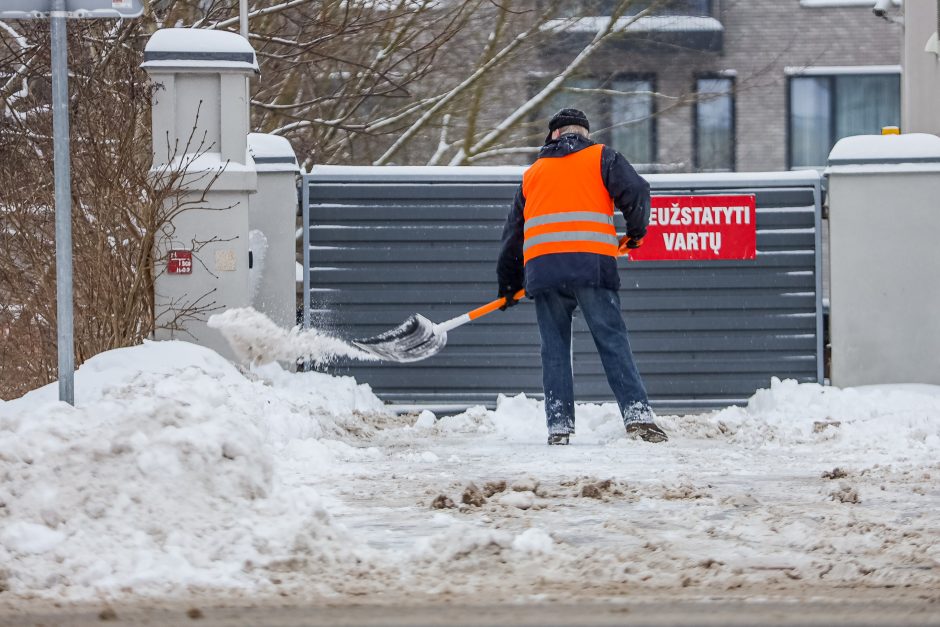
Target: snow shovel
[(418, 338)]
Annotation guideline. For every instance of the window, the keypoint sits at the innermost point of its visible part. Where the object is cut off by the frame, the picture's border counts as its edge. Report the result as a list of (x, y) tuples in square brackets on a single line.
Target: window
[(825, 108), (631, 120), (824, 4), (714, 124), (684, 7), (620, 110), (606, 7)]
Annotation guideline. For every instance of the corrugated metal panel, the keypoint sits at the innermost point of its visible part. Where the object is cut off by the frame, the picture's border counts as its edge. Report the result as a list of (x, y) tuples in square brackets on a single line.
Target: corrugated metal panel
[(386, 243)]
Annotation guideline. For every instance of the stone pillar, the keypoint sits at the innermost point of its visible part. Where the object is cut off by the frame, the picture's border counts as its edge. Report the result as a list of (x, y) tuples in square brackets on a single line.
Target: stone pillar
[(920, 90), (272, 219), (200, 129)]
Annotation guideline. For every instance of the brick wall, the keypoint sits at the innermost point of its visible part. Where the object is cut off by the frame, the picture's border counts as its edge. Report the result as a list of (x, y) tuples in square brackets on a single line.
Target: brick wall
[(761, 39)]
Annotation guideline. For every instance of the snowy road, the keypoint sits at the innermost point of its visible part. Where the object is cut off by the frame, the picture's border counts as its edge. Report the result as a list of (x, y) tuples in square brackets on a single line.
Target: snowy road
[(593, 520), (179, 479), (849, 610)]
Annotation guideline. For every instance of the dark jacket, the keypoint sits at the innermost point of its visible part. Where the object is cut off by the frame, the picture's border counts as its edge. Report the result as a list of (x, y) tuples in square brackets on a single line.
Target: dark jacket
[(631, 195)]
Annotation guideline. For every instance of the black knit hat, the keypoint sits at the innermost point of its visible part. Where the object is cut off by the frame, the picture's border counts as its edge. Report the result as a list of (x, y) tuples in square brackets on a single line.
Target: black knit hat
[(566, 117)]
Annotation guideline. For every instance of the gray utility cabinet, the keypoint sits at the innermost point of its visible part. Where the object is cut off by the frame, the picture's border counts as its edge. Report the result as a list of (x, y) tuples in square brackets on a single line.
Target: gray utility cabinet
[(387, 242), (884, 216)]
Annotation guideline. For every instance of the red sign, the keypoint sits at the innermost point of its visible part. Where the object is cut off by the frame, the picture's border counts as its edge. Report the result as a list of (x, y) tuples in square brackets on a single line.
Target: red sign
[(700, 228), (180, 262)]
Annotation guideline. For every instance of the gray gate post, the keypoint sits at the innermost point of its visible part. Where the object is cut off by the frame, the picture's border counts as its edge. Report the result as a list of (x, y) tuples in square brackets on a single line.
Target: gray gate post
[(920, 80), (272, 219), (200, 127), (883, 225)]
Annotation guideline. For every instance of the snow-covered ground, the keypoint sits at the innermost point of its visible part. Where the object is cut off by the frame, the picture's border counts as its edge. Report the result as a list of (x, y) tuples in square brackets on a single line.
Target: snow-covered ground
[(177, 474)]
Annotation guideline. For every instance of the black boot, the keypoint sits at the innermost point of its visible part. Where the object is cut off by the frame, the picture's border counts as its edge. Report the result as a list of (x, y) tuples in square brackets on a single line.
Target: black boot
[(646, 431), (557, 439)]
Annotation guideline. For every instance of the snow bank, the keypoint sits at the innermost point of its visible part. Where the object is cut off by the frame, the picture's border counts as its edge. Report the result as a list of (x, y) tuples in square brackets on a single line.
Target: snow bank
[(177, 472), (522, 419), (165, 475), (875, 420)]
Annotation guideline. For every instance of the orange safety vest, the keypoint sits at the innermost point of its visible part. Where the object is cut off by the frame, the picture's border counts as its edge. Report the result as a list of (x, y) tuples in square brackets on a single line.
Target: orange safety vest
[(567, 207)]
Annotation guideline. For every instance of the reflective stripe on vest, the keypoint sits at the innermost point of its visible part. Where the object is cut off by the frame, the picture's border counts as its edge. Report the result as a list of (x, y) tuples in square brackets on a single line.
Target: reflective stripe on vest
[(568, 209), (570, 226)]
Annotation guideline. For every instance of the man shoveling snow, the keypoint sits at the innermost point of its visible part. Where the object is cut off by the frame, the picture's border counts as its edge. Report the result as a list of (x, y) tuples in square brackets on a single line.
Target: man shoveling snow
[(559, 241)]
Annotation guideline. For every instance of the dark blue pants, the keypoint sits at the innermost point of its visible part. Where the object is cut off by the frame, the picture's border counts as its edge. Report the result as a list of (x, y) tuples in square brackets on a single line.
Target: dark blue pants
[(601, 310)]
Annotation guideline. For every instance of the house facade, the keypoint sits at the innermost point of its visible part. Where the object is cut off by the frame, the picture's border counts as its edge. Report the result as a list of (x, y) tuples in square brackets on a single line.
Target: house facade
[(734, 85)]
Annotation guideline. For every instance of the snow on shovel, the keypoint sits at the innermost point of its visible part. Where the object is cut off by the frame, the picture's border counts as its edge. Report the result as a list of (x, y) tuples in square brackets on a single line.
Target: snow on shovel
[(418, 338)]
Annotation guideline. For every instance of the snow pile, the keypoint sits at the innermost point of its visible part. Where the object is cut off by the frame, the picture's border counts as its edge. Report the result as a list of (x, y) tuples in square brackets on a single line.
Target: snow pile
[(878, 421), (787, 414), (466, 543), (522, 419), (165, 476), (177, 473), (535, 541), (255, 338), (426, 420)]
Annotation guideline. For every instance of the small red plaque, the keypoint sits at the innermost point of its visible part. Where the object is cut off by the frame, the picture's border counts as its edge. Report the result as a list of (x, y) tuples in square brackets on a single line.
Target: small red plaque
[(180, 262)]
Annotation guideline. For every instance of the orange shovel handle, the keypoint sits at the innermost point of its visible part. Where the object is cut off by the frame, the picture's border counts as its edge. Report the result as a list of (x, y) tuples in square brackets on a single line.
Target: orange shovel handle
[(493, 306), (499, 302)]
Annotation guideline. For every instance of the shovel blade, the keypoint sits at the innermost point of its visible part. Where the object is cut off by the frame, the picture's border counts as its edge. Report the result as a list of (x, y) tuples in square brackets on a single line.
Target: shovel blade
[(414, 339)]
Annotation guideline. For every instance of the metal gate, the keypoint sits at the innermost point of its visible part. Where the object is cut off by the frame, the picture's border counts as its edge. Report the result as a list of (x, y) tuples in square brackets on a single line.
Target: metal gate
[(382, 243)]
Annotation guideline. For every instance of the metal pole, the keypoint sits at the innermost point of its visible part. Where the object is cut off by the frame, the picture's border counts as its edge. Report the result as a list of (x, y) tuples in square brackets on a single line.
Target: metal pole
[(63, 203), (243, 18)]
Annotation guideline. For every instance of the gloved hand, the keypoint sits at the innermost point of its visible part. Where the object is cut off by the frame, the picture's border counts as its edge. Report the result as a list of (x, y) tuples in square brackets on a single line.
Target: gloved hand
[(628, 243), (508, 295)]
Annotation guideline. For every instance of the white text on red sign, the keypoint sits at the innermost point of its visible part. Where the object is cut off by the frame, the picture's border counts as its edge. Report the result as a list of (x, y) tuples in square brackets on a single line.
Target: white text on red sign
[(700, 228)]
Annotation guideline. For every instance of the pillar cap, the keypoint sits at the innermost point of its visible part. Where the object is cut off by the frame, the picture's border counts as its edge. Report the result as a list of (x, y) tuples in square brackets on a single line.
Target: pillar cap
[(199, 50), (870, 153), (272, 153)]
